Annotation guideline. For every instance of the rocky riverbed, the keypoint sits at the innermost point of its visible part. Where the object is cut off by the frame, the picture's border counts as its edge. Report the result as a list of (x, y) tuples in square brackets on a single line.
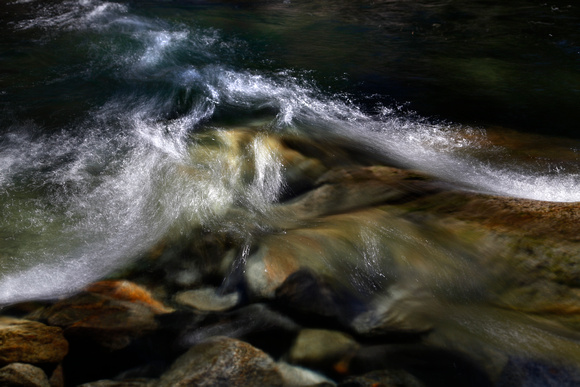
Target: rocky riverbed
[(362, 274)]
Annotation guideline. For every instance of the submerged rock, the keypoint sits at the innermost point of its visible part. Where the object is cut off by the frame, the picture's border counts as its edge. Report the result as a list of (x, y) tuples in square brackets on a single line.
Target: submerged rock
[(207, 299), (222, 361), (30, 342)]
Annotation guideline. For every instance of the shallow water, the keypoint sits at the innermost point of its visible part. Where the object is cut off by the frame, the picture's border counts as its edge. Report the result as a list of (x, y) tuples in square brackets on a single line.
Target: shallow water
[(120, 120)]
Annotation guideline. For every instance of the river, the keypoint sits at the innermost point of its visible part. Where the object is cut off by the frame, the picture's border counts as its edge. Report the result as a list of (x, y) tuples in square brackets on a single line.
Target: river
[(106, 104)]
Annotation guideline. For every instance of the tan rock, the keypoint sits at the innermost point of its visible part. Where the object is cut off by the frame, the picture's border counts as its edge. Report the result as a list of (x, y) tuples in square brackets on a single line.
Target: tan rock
[(207, 299)]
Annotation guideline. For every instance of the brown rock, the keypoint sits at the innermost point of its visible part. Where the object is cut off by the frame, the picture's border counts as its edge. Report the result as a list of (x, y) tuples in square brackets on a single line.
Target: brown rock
[(128, 291), (31, 342), (546, 220), (109, 322), (23, 375), (222, 361)]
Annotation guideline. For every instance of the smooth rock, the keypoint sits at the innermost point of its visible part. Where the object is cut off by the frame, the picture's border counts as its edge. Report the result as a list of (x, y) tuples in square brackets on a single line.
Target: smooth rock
[(30, 342), (346, 189), (222, 361), (300, 376), (109, 322), (321, 348), (23, 375), (207, 299)]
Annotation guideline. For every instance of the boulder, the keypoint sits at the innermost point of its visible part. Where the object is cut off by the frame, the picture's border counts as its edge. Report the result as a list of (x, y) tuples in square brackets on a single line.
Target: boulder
[(23, 375), (222, 361), (30, 342)]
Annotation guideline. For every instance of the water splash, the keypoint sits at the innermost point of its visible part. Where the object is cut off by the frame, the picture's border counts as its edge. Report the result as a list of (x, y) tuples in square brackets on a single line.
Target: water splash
[(157, 155)]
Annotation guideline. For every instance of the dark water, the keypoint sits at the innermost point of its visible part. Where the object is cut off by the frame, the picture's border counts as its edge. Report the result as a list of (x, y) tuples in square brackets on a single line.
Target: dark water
[(483, 62), (118, 120)]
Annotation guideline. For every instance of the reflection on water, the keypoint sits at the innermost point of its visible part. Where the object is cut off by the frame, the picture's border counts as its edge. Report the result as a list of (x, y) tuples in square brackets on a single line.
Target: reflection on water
[(129, 128)]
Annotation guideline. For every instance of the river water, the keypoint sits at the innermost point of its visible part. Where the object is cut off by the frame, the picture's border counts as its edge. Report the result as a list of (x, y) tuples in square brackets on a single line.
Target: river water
[(106, 104)]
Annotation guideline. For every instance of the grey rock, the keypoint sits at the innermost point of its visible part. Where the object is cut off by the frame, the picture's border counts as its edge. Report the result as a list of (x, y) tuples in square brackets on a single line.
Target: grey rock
[(222, 361), (23, 375)]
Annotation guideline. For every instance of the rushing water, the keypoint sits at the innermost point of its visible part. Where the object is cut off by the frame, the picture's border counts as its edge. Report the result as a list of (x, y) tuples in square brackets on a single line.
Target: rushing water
[(106, 106)]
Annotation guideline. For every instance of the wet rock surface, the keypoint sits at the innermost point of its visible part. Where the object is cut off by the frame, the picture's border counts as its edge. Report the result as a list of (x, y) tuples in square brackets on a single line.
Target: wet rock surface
[(30, 342), (361, 274)]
